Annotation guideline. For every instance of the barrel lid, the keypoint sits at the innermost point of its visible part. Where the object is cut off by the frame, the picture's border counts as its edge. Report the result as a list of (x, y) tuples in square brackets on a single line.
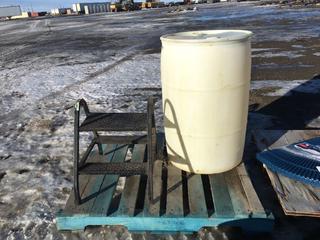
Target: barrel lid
[(207, 36)]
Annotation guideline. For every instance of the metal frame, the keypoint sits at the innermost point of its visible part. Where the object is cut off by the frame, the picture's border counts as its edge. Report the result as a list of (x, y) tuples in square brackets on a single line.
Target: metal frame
[(80, 163)]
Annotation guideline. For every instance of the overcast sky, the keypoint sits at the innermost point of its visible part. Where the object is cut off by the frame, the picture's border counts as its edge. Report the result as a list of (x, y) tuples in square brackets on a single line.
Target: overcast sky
[(46, 5)]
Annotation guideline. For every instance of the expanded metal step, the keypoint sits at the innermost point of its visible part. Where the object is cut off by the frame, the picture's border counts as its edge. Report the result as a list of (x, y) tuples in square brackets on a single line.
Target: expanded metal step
[(114, 122), (122, 169), (122, 139)]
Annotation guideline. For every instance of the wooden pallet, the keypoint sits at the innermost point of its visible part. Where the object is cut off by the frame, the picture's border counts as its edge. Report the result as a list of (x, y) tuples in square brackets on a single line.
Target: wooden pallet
[(296, 198), (183, 202)]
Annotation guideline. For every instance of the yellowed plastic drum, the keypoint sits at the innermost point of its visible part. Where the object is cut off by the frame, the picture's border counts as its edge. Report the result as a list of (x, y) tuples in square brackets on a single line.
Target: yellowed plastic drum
[(205, 79)]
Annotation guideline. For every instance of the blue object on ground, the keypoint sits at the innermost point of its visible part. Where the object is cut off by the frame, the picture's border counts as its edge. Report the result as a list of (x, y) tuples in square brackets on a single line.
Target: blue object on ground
[(299, 161)]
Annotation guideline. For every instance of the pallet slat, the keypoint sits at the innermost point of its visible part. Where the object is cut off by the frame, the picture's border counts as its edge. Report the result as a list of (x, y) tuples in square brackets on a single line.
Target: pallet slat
[(253, 200), (197, 202), (89, 184), (221, 197), (237, 194), (153, 208), (108, 186), (130, 192), (174, 192)]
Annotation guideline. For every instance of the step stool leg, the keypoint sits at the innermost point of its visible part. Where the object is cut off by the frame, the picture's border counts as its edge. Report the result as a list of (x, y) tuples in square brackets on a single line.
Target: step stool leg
[(150, 167), (150, 180), (152, 159), (151, 146), (76, 157), (100, 148)]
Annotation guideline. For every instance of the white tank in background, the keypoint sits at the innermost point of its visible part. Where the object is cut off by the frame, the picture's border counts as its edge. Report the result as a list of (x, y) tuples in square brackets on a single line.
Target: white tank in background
[(205, 79)]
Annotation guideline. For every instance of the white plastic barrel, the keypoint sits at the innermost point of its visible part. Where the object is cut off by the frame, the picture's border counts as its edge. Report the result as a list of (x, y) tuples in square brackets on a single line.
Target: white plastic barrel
[(205, 79)]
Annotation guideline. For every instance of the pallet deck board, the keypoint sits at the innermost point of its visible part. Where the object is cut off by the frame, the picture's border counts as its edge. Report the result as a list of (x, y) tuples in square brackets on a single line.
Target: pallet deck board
[(221, 196), (129, 195), (153, 208), (174, 192), (237, 194), (253, 199), (107, 188), (179, 202), (88, 184), (197, 202)]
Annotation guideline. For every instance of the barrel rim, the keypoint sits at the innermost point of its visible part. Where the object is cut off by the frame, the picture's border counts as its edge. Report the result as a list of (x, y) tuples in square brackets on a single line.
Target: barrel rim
[(203, 36)]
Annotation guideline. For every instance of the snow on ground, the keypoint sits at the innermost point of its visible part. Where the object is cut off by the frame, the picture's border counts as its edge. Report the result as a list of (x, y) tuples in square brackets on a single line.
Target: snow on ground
[(32, 167), (113, 62), (283, 88)]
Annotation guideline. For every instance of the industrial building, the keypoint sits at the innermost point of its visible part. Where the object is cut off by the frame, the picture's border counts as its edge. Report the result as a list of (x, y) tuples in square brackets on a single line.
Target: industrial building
[(60, 11), (96, 8), (89, 8)]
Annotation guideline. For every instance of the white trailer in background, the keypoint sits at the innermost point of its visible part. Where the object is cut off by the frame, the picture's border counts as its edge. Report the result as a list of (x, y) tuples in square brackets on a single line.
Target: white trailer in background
[(96, 8), (88, 8), (10, 11)]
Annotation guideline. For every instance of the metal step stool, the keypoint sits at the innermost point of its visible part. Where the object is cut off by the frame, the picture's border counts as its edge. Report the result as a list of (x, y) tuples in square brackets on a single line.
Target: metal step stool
[(114, 122)]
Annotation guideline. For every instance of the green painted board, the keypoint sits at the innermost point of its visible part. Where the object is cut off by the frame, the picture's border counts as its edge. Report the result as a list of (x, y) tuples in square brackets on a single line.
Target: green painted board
[(108, 186), (221, 197), (197, 204), (129, 195), (153, 208), (89, 185), (174, 205), (238, 197)]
